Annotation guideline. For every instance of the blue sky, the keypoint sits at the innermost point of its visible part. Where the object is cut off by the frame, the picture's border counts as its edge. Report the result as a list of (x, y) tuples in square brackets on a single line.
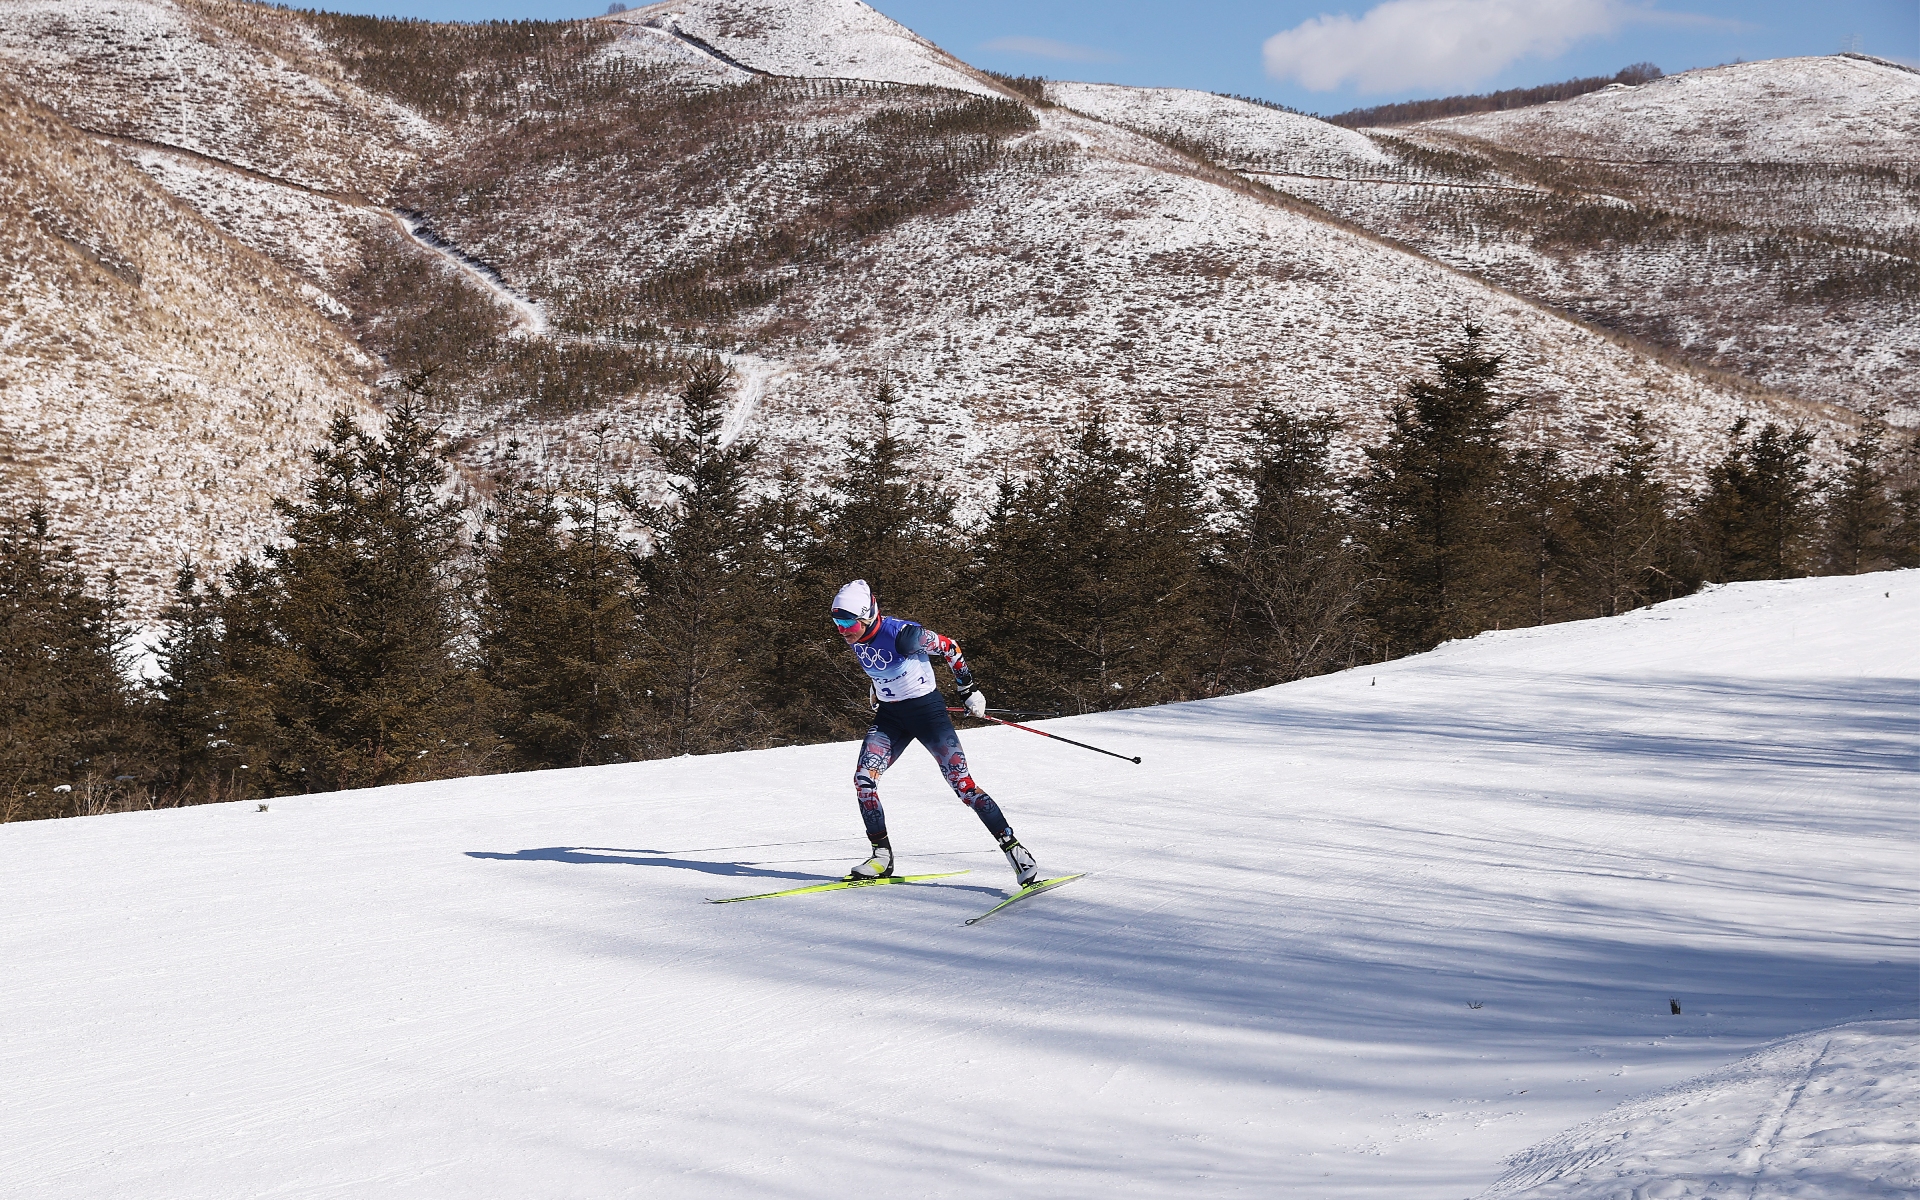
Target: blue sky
[(1327, 57)]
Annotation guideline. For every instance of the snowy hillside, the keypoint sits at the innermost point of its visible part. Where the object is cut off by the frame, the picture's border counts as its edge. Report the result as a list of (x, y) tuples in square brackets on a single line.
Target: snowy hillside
[(1761, 217), (1138, 285), (1794, 144), (1235, 132), (1368, 935), (1758, 218), (1826, 110), (159, 385), (241, 83), (777, 182)]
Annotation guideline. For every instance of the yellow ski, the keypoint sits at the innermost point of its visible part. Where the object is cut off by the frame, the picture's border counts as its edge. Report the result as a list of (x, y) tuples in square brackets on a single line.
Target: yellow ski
[(837, 885), (1032, 889)]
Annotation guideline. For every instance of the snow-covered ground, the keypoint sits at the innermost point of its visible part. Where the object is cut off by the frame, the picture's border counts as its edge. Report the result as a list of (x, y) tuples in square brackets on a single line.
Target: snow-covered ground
[(1373, 934)]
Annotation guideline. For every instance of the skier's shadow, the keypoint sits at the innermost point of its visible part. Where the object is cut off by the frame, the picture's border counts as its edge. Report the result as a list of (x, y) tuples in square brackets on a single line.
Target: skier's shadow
[(630, 858)]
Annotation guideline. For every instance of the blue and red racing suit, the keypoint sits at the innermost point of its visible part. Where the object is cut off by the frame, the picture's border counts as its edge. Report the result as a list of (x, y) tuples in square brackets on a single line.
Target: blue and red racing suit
[(898, 657)]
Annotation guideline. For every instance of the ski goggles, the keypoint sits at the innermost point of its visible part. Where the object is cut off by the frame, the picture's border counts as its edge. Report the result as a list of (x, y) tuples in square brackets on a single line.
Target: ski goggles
[(845, 619)]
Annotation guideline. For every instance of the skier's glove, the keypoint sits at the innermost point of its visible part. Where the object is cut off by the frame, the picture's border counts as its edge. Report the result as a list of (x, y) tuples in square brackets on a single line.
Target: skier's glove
[(977, 702)]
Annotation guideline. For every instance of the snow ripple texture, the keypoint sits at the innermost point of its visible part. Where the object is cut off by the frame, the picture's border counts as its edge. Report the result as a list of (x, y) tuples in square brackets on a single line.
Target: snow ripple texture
[(1835, 1113)]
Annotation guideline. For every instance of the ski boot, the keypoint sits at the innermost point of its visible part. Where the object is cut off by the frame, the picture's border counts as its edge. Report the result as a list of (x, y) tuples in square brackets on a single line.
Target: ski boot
[(878, 867), (1025, 870)]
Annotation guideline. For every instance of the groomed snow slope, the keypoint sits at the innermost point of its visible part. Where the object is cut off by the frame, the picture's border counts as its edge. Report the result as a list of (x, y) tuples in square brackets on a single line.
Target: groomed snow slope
[(511, 987)]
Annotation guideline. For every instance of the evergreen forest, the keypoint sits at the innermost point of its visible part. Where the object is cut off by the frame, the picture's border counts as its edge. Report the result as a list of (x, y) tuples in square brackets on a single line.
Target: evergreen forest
[(386, 638)]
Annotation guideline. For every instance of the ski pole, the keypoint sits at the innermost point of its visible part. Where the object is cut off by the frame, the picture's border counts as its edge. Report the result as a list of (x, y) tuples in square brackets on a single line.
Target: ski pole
[(1015, 712), (1056, 737)]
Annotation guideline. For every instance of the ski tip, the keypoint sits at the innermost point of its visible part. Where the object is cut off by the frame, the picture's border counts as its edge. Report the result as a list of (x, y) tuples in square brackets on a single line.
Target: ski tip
[(1032, 889)]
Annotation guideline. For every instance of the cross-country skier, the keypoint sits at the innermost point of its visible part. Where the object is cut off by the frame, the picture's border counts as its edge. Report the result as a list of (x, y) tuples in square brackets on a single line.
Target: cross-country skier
[(896, 656)]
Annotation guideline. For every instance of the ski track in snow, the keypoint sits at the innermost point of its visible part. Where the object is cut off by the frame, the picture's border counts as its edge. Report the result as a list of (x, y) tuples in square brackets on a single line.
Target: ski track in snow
[(1835, 1113), (511, 986)]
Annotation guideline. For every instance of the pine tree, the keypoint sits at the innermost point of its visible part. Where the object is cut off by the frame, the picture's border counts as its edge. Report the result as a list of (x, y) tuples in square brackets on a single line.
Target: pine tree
[(1081, 569), (1295, 582), (1539, 532), (1010, 579), (366, 687), (199, 696), (810, 689), (884, 524), (1430, 504), (68, 718), (556, 625), (254, 654), (1169, 560), (698, 583), (1903, 484), (1755, 517), (880, 522), (1048, 592), (1624, 538), (1861, 517)]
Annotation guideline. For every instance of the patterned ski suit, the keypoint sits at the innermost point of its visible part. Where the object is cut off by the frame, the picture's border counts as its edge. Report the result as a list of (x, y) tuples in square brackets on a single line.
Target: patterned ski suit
[(897, 657)]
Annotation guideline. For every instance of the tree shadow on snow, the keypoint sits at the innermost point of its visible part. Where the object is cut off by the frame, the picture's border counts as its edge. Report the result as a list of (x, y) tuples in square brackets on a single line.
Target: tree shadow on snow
[(1188, 984), (1859, 724), (1666, 729), (631, 858)]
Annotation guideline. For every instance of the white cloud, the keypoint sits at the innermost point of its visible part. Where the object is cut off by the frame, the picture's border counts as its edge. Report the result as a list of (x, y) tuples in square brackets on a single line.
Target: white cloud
[(1405, 44), (1048, 48)]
